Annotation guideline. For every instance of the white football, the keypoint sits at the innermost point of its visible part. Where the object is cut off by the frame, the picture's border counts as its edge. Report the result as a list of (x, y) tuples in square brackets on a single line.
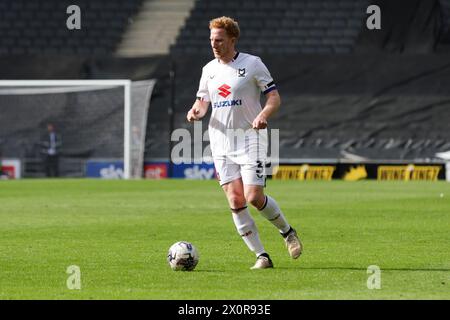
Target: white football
[(183, 256)]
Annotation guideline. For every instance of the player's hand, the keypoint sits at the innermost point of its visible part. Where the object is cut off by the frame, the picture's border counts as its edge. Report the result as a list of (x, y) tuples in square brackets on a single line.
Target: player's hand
[(260, 122), (193, 115)]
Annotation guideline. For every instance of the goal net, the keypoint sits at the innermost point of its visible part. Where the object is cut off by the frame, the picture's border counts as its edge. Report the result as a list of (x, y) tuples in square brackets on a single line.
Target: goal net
[(98, 120)]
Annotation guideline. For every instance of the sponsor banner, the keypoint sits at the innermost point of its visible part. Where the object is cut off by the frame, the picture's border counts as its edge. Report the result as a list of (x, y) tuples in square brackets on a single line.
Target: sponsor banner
[(304, 172), (156, 170), (355, 172), (194, 171), (104, 169), (10, 169), (409, 172)]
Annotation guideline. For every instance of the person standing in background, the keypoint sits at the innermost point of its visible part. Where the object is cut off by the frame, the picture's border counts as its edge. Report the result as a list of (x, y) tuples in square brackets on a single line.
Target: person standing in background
[(51, 144)]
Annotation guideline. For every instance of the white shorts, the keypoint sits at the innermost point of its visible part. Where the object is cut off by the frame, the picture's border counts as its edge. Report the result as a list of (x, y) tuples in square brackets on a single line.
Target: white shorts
[(244, 159), (229, 169)]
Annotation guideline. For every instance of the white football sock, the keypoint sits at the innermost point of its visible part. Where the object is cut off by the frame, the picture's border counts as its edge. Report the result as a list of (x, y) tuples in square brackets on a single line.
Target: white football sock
[(246, 227), (272, 212)]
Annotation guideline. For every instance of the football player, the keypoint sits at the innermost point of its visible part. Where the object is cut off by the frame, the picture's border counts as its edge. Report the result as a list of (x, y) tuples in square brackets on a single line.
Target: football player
[(232, 83)]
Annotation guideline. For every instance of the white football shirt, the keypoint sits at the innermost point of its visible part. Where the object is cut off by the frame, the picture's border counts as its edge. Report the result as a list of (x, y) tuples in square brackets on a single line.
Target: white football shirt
[(234, 91)]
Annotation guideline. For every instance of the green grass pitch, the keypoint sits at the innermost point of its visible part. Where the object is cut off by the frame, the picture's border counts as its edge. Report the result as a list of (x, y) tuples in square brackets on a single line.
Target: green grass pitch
[(118, 234)]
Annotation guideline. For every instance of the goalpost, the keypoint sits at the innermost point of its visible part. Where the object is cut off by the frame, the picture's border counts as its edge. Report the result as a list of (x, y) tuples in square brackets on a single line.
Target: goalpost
[(68, 98)]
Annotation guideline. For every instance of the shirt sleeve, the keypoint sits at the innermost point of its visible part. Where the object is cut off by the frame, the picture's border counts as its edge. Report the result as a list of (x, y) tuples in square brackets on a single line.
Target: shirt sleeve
[(203, 93), (263, 78)]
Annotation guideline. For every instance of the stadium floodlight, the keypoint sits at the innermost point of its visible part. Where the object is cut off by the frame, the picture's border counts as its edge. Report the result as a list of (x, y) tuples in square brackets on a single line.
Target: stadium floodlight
[(122, 102)]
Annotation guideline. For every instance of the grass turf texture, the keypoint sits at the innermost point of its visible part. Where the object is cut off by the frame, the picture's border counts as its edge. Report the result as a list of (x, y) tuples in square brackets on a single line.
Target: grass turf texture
[(118, 233)]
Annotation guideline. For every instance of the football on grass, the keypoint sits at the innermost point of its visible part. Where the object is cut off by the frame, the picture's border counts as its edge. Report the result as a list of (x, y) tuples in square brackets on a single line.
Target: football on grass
[(182, 256)]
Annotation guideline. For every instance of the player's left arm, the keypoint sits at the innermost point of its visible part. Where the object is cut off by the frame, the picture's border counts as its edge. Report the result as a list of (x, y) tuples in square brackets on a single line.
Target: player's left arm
[(273, 102)]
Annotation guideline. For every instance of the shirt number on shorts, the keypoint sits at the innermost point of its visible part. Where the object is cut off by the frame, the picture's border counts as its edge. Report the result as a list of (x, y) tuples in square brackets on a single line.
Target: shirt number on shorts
[(259, 169)]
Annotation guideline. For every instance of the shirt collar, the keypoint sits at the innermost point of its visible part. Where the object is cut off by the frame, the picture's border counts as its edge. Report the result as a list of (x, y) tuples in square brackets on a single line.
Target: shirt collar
[(234, 58)]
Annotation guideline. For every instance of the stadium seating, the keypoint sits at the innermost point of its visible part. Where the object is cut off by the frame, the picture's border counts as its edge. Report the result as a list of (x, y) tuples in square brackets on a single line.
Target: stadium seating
[(337, 102), (444, 45), (366, 127), (375, 108), (39, 27), (293, 26), (445, 9)]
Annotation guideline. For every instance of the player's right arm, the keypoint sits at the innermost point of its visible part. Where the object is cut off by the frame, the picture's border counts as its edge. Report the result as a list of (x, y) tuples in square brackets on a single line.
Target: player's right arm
[(198, 110), (201, 105)]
